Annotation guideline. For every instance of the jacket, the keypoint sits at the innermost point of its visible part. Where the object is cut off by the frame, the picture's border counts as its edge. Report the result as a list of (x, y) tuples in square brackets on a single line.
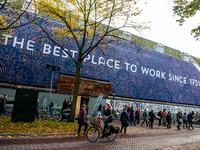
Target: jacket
[(132, 113), (137, 113), (100, 106), (124, 118), (179, 116), (160, 115), (82, 117), (190, 117), (65, 105), (37, 106), (107, 113), (152, 116), (145, 115), (185, 117), (168, 117)]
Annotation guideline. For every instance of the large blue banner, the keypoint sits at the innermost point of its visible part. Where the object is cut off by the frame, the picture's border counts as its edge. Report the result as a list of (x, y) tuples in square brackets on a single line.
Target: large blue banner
[(135, 71)]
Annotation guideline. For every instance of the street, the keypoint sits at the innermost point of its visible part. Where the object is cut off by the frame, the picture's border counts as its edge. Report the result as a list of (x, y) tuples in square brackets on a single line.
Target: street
[(138, 138)]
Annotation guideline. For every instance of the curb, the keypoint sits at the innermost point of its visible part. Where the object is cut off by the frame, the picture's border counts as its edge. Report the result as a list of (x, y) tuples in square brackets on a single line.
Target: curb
[(39, 134)]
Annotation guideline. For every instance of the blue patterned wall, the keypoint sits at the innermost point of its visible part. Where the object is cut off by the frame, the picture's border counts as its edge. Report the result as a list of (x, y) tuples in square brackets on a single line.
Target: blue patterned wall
[(123, 64)]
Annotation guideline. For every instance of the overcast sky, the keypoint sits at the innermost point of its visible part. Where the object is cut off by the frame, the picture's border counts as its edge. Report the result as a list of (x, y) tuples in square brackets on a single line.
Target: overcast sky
[(165, 29)]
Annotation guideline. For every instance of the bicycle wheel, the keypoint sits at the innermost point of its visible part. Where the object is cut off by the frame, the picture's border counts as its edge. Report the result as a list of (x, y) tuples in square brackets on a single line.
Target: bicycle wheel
[(6, 113), (42, 115), (57, 116), (111, 136), (92, 134)]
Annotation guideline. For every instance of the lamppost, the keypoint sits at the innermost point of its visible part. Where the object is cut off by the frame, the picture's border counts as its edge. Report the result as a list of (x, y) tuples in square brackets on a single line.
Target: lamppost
[(112, 101), (53, 68)]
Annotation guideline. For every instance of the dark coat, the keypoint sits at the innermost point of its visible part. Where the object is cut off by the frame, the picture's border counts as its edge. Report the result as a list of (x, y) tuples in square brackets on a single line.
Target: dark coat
[(124, 118), (144, 115), (137, 113), (82, 117), (179, 116), (169, 118), (100, 106), (152, 116), (160, 115), (131, 113), (65, 105), (107, 113), (190, 117)]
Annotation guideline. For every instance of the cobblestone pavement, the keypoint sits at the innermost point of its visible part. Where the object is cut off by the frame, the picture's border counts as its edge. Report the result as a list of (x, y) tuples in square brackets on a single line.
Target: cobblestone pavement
[(138, 138)]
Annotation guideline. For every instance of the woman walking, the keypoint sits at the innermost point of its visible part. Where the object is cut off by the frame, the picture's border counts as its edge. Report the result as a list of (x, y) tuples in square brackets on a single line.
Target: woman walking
[(184, 120), (132, 116), (152, 117), (82, 119), (145, 117), (179, 119), (169, 119), (190, 117), (160, 115), (124, 120)]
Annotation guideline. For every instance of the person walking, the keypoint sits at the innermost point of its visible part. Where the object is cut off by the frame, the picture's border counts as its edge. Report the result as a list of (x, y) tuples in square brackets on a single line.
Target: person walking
[(164, 116), (169, 119), (99, 111), (160, 115), (179, 119), (64, 107), (3, 102), (82, 119), (190, 117), (149, 118), (132, 116), (144, 117), (51, 108), (152, 117), (124, 120), (184, 120), (137, 115), (37, 108), (117, 114)]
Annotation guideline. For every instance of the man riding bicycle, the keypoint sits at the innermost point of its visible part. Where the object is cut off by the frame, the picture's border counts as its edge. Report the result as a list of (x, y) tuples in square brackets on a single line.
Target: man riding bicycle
[(109, 118)]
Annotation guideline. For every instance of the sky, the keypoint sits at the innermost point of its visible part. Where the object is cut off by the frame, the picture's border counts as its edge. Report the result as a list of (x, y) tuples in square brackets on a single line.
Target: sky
[(165, 30)]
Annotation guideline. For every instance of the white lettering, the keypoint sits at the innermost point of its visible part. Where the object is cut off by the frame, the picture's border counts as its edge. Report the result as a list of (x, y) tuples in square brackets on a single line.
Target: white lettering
[(117, 64), (109, 60), (135, 68), (150, 72), (87, 58), (21, 43), (30, 46), (55, 51), (73, 53), (145, 70), (6, 38), (93, 60), (104, 61), (65, 54), (47, 49), (127, 64)]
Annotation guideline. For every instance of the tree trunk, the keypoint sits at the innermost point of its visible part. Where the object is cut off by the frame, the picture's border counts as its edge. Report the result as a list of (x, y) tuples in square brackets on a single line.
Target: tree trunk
[(76, 89)]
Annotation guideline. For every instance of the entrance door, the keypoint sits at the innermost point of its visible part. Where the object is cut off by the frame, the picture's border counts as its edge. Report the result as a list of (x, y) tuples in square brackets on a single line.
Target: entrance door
[(85, 100)]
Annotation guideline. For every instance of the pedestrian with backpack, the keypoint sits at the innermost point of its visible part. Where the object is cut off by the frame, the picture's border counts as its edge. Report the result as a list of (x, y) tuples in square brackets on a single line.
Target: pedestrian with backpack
[(51, 108), (124, 120), (169, 119)]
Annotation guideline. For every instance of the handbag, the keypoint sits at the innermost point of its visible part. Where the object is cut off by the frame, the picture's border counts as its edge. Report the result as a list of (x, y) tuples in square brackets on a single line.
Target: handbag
[(180, 120), (150, 117)]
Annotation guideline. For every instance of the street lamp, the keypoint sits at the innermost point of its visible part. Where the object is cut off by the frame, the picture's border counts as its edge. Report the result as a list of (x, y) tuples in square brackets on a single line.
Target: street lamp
[(53, 68), (112, 101)]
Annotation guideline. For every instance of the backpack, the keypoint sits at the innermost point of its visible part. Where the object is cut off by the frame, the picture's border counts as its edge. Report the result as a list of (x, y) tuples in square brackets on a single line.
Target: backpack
[(114, 129), (129, 113)]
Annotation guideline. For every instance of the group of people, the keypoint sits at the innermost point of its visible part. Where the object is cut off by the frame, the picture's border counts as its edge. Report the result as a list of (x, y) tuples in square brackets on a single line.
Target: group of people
[(3, 100), (127, 117)]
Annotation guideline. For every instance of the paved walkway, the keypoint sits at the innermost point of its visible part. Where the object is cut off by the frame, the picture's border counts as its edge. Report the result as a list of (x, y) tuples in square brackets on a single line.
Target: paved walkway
[(138, 138)]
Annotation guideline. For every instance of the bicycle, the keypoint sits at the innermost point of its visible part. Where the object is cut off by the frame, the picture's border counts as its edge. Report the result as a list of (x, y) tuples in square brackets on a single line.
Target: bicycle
[(93, 132), (7, 111), (42, 114)]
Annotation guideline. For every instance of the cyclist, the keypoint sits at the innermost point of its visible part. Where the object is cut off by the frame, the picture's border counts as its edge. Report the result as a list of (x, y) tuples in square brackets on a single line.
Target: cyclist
[(109, 118)]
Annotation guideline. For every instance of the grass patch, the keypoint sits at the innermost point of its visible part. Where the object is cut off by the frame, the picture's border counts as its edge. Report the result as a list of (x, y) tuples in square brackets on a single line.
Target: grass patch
[(38, 126)]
